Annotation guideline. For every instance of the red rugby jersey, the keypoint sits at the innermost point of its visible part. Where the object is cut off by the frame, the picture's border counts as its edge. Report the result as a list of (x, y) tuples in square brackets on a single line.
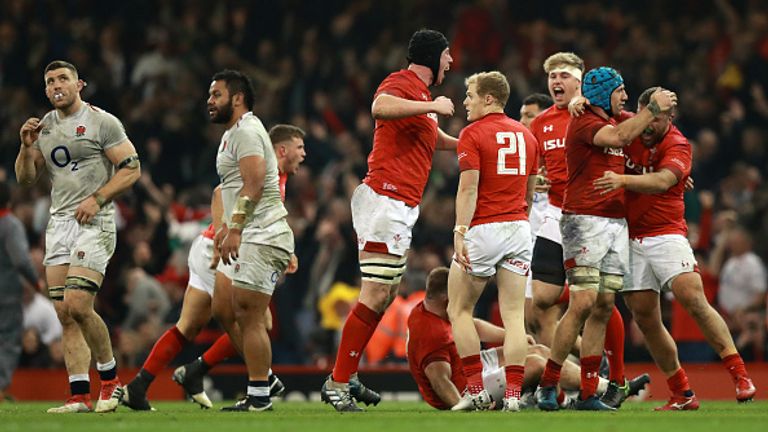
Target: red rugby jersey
[(550, 128), (505, 153), (430, 339), (399, 163), (586, 163), (658, 214)]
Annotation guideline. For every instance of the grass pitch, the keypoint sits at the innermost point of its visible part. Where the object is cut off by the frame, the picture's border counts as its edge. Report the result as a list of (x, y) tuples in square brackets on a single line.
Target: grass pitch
[(388, 416)]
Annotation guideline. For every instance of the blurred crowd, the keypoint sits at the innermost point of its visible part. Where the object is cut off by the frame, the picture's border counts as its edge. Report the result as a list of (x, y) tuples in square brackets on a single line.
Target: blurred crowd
[(317, 65)]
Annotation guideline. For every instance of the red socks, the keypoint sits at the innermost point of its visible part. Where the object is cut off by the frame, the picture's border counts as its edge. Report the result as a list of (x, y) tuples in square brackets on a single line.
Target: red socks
[(221, 350), (589, 375), (614, 347), (678, 383), (514, 381), (166, 349), (735, 366), (473, 372), (551, 375), (358, 329)]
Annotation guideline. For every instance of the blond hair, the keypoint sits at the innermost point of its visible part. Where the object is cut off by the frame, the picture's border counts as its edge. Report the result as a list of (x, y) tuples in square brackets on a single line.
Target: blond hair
[(563, 59), (491, 83)]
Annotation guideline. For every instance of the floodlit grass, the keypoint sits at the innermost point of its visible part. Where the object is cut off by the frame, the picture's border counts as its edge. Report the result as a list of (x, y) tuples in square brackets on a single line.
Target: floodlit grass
[(388, 416)]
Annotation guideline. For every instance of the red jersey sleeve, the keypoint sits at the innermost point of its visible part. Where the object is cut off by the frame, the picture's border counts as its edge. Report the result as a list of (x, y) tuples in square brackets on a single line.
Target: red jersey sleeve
[(586, 127), (678, 160), (393, 86), (441, 354), (467, 152)]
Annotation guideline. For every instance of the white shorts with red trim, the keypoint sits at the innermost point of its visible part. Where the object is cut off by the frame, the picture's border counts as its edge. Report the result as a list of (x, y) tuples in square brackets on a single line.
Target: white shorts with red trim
[(654, 262), (497, 245), (382, 224), (595, 241), (201, 276)]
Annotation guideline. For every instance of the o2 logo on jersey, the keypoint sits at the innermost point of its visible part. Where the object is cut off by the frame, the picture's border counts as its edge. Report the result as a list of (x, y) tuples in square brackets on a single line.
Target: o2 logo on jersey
[(516, 145), (61, 157)]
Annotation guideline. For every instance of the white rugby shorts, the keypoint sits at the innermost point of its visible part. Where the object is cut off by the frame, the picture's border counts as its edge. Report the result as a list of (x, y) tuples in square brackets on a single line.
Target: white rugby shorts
[(550, 224), (258, 267), (654, 262), (597, 242), (90, 246), (382, 224), (201, 277), (495, 245)]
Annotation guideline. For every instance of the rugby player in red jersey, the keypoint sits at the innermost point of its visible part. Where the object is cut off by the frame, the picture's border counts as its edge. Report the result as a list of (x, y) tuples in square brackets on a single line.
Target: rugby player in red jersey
[(564, 72), (386, 205), (498, 161), (594, 231), (436, 366), (661, 258)]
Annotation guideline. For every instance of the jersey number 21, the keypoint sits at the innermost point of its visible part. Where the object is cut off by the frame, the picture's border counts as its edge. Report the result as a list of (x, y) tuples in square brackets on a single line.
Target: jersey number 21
[(515, 144)]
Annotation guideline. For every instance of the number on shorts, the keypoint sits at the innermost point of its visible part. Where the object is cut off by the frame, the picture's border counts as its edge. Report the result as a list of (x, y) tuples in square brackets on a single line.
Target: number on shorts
[(516, 143)]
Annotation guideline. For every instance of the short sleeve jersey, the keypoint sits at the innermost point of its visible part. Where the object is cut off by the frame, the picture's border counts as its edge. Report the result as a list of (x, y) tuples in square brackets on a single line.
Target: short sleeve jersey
[(658, 214), (73, 148), (550, 128), (247, 137), (587, 163), (399, 164), (430, 339), (505, 153)]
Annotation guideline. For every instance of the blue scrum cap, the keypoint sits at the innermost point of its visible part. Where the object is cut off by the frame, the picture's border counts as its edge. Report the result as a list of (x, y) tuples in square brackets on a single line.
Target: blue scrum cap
[(598, 84)]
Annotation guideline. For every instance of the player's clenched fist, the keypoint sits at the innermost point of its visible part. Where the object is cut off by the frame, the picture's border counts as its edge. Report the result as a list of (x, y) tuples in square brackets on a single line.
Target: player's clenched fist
[(443, 106), (30, 130)]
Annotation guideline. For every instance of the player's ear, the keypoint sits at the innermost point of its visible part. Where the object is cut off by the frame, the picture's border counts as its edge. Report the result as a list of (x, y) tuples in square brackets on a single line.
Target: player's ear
[(81, 85), (238, 99)]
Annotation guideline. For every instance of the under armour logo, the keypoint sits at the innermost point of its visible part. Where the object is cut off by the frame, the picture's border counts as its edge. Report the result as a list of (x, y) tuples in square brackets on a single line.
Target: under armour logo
[(549, 128), (354, 354)]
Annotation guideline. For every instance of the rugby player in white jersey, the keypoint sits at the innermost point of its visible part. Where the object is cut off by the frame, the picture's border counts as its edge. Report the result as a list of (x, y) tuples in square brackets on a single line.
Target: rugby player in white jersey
[(90, 161)]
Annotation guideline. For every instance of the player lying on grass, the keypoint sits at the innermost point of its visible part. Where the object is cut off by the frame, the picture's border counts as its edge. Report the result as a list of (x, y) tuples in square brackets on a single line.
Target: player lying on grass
[(436, 367)]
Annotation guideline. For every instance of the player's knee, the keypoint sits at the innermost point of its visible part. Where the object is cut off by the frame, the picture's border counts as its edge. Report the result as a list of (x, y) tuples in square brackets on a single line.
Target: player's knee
[(535, 364), (79, 304), (583, 279), (544, 299), (644, 317)]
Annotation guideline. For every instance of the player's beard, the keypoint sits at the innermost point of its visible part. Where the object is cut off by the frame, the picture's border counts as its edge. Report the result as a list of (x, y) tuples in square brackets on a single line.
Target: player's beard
[(223, 114)]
